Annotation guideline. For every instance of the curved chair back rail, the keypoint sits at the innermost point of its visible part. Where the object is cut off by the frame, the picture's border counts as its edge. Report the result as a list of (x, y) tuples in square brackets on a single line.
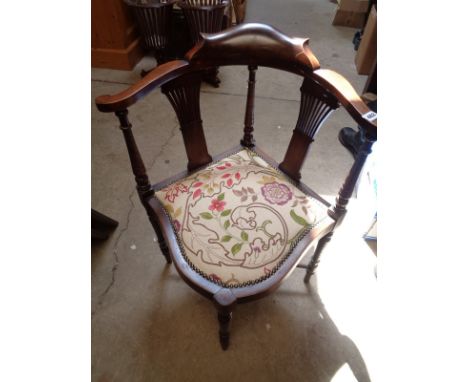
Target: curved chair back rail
[(255, 44), (322, 92), (248, 44)]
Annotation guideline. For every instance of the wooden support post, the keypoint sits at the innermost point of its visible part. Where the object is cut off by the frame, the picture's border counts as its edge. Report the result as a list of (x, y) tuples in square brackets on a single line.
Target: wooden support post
[(138, 167), (162, 243), (143, 185), (339, 210), (248, 139), (316, 256)]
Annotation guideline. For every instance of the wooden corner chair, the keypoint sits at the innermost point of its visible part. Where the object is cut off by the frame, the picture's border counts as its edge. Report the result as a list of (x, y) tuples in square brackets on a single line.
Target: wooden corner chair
[(237, 224)]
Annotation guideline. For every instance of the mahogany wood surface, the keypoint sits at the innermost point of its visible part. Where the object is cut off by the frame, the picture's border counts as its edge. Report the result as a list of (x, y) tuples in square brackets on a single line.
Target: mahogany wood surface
[(273, 48), (322, 92), (157, 77)]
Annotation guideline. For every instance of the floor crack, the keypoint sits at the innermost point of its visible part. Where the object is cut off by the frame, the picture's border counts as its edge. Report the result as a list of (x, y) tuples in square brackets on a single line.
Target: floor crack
[(115, 254), (164, 145), (127, 223)]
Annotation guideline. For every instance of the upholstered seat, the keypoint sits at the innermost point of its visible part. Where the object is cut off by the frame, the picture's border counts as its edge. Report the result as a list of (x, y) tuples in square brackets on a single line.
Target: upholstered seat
[(237, 220)]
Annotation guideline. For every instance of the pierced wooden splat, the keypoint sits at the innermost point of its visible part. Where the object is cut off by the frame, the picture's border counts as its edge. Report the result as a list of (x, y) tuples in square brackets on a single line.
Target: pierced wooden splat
[(184, 95), (316, 106)]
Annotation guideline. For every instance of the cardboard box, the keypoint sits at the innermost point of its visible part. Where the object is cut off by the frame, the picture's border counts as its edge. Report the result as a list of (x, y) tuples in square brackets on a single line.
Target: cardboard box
[(367, 52), (356, 6), (349, 19), (351, 13)]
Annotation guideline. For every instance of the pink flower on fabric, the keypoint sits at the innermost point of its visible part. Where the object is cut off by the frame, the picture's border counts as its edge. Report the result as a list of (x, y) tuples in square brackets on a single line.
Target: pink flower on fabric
[(217, 205), (276, 193), (177, 225)]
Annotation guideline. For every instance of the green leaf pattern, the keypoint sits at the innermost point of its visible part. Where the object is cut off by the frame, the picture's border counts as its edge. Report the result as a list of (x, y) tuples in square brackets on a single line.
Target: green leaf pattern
[(298, 219), (236, 248)]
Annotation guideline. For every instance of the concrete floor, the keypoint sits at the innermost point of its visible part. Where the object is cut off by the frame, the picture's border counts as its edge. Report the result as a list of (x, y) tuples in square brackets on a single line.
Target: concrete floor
[(147, 324)]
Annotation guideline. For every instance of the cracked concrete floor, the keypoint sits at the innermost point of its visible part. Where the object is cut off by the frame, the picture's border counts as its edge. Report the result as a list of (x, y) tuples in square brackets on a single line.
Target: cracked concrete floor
[(147, 324)]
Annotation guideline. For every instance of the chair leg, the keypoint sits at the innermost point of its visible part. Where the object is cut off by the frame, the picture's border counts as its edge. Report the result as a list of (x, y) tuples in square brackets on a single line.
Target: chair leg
[(316, 256), (162, 243), (224, 318), (210, 76)]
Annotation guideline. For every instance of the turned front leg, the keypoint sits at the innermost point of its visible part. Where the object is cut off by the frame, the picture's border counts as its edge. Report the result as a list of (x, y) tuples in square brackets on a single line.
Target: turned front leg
[(162, 243), (312, 266), (339, 209), (224, 301), (224, 318)]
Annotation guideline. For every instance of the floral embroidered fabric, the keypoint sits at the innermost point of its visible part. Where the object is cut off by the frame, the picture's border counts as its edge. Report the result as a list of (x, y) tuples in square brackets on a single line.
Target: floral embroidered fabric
[(237, 220)]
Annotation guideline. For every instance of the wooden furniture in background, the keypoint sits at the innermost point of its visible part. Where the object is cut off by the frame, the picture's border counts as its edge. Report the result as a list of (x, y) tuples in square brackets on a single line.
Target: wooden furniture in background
[(154, 21), (114, 36), (205, 16), (239, 10), (322, 92)]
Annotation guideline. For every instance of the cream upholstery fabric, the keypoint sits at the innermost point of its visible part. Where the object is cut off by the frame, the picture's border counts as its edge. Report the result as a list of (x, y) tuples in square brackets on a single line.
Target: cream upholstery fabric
[(237, 220)]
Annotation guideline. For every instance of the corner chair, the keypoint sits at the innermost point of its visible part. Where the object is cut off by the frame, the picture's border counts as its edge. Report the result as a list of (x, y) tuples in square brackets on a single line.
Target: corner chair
[(238, 224)]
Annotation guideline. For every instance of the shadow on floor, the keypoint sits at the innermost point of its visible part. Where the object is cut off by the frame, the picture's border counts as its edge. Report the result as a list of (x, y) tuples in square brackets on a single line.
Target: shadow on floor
[(270, 341)]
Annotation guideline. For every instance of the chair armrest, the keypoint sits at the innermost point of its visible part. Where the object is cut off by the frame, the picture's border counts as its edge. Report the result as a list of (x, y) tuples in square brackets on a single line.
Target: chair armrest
[(347, 96), (157, 77)]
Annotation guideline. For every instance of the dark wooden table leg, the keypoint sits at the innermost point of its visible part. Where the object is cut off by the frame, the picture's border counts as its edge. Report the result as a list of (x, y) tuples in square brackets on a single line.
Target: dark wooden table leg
[(101, 225)]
